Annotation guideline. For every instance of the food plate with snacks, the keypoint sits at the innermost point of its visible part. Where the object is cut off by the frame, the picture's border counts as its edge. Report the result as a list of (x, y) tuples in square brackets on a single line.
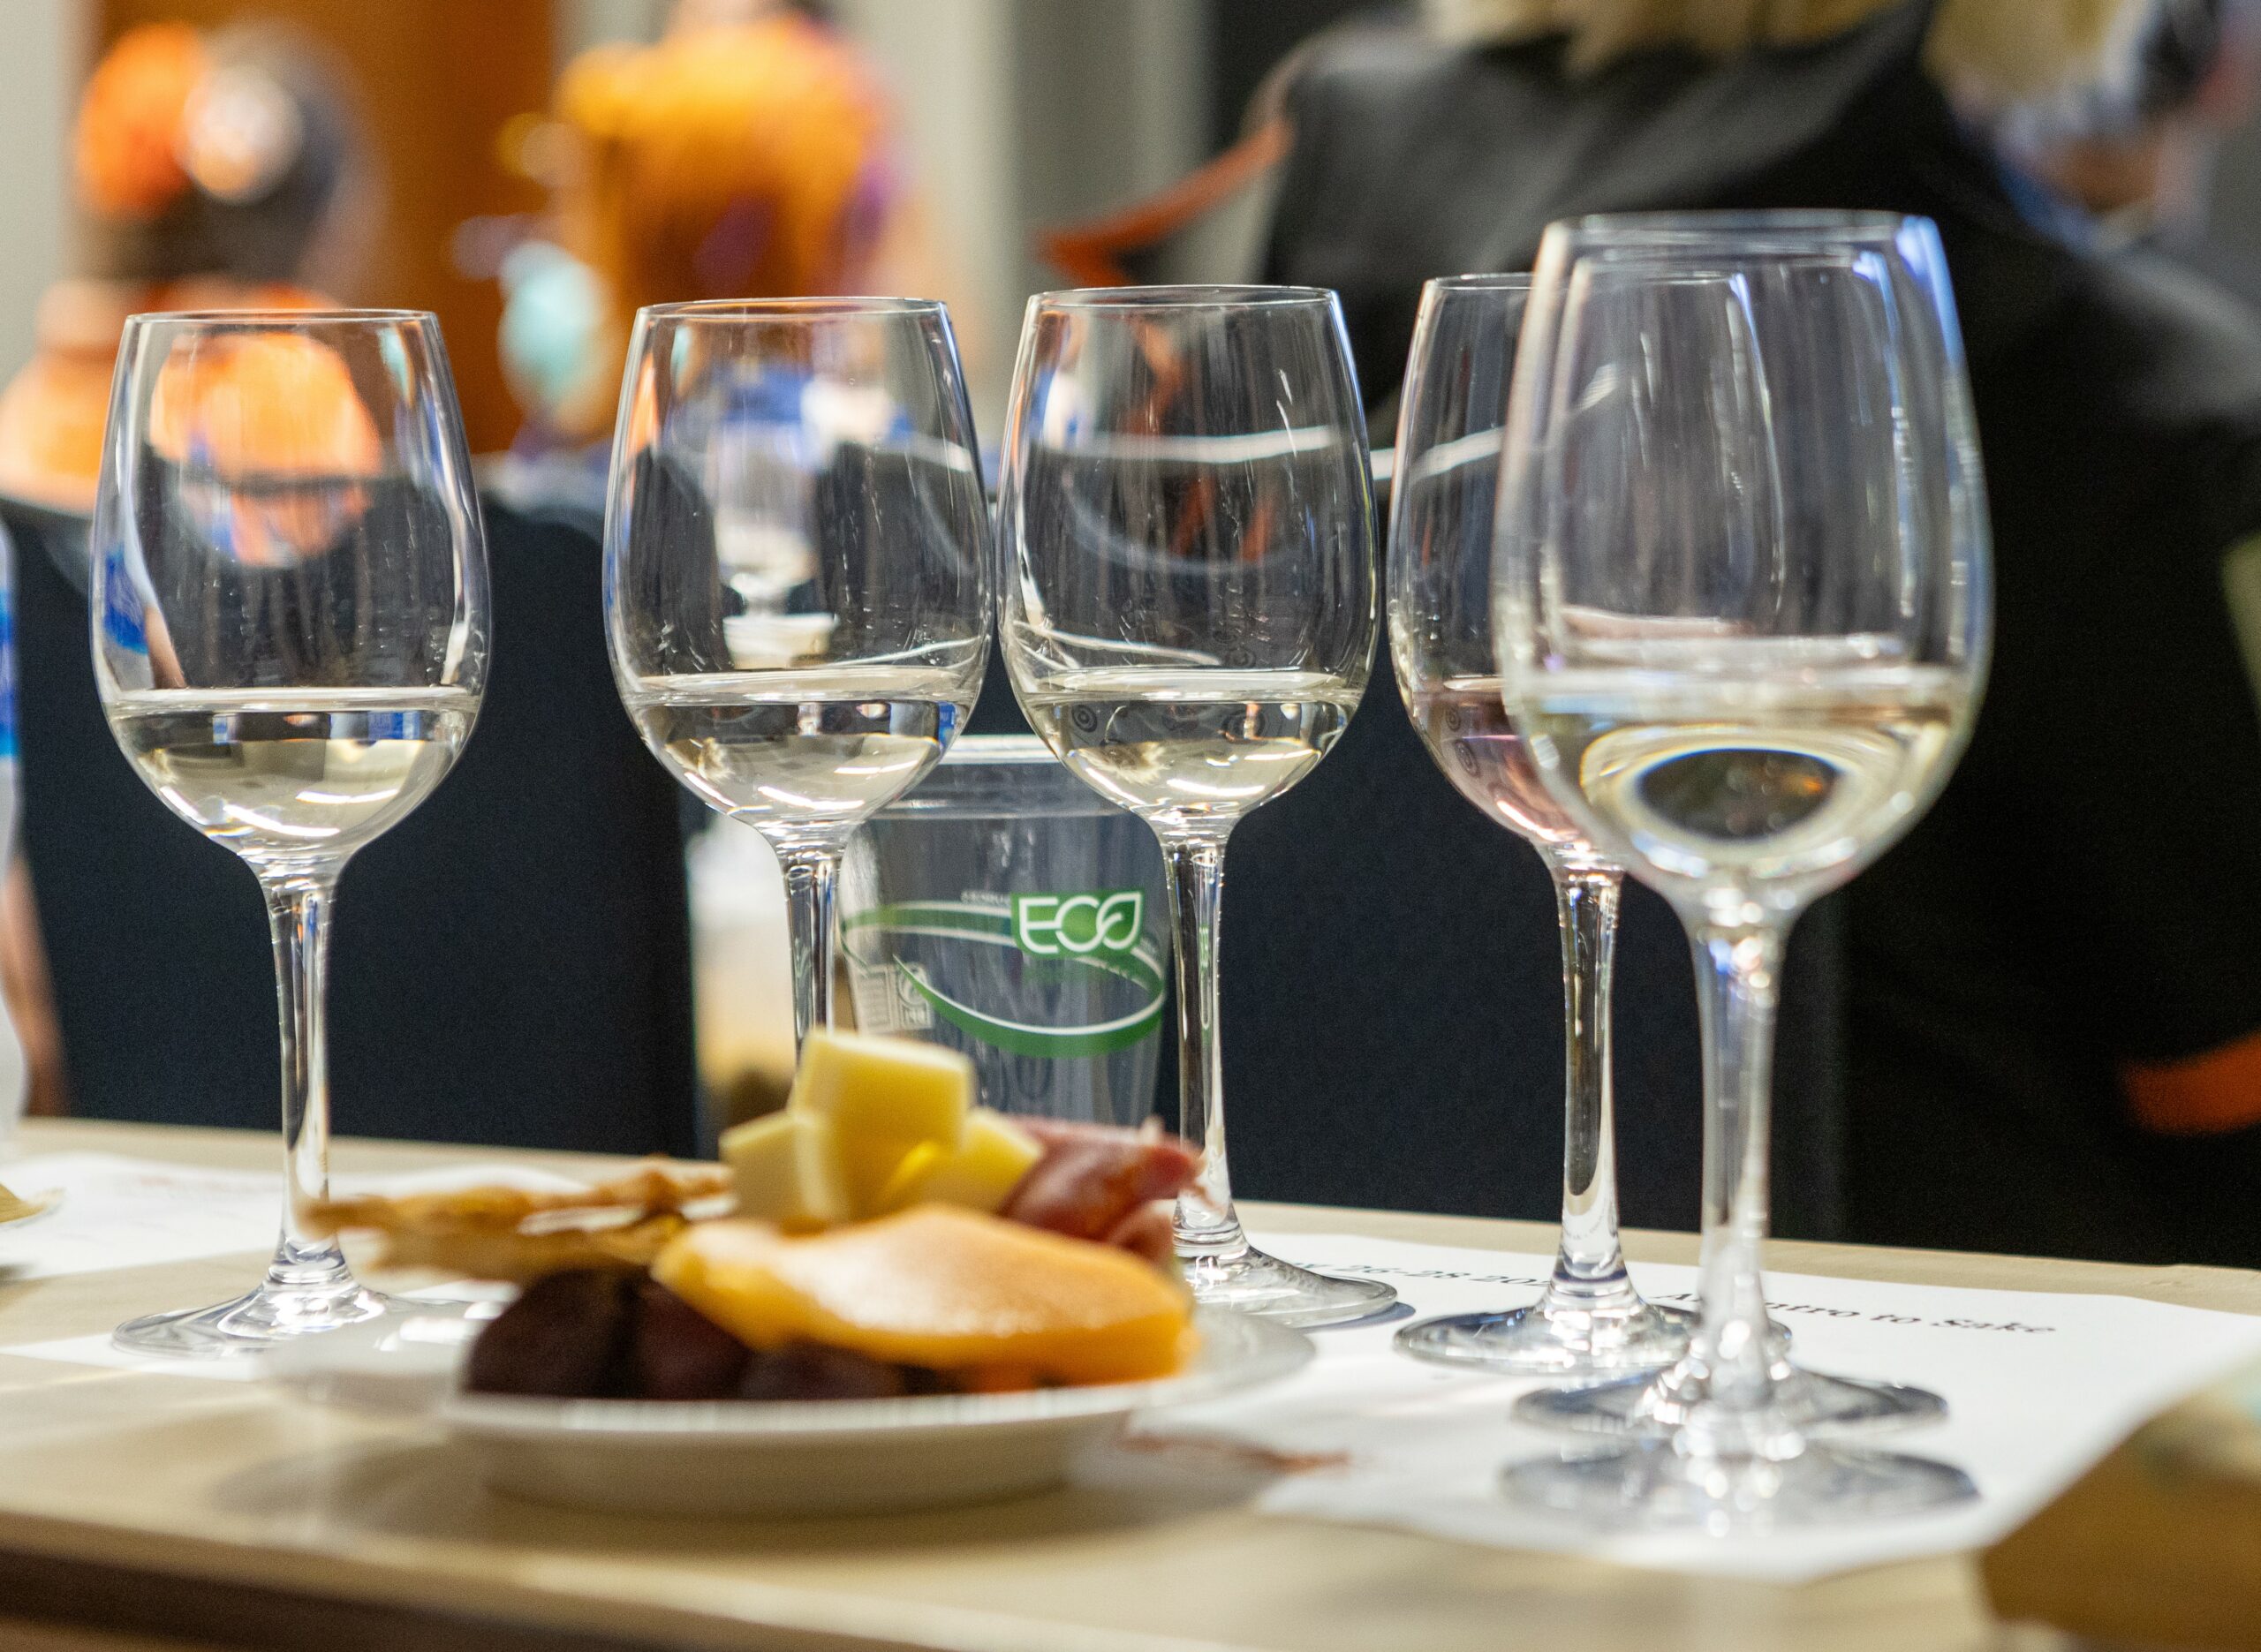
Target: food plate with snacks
[(779, 1458), (887, 1297)]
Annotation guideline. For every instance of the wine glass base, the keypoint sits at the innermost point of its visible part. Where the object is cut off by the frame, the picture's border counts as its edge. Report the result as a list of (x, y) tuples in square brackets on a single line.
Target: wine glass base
[(1549, 1339), (257, 1321), (1251, 1282), (1648, 1487), (1649, 1407)]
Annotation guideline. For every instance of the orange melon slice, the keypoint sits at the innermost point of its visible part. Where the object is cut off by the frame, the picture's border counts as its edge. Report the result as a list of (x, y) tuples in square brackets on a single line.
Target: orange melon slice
[(942, 1287)]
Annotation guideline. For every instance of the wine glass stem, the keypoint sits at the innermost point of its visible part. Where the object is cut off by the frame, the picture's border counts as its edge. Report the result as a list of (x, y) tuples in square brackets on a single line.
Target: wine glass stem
[(1195, 863), (812, 873), (1590, 1269), (298, 915), (1738, 984)]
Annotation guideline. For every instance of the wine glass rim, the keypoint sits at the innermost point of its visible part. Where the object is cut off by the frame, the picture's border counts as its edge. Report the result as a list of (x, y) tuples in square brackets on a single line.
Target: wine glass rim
[(273, 316), (801, 307), (1478, 280), (1707, 229), (1181, 295)]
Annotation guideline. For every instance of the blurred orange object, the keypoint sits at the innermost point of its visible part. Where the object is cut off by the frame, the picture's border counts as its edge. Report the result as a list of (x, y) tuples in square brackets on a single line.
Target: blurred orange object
[(728, 160), (262, 404), (53, 414), (51, 420), (216, 172), (272, 439), (944, 1286), (725, 162), (1207, 226), (128, 139)]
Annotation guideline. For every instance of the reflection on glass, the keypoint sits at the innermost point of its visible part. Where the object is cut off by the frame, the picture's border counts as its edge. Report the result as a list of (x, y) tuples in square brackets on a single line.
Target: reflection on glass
[(269, 439)]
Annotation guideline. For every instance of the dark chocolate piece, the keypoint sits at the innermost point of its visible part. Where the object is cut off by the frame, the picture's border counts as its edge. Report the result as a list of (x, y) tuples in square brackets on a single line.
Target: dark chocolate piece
[(679, 1353), (808, 1371), (565, 1337)]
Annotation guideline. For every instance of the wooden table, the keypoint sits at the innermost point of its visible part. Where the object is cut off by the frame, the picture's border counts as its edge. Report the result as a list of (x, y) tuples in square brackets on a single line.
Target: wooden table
[(141, 1510)]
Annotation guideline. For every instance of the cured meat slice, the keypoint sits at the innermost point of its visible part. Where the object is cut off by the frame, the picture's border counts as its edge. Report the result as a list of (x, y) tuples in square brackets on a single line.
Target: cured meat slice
[(1094, 1181)]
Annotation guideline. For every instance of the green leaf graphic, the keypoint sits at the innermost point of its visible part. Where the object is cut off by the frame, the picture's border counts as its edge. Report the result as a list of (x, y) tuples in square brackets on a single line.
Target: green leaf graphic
[(992, 927)]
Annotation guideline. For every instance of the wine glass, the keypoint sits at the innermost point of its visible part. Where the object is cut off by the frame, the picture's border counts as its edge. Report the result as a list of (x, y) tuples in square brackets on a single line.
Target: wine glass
[(1187, 610), (290, 641), (795, 575), (1451, 422), (1743, 610)]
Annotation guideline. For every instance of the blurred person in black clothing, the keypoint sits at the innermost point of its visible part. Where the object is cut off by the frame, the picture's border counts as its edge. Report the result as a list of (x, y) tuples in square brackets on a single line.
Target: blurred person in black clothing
[(2053, 1001)]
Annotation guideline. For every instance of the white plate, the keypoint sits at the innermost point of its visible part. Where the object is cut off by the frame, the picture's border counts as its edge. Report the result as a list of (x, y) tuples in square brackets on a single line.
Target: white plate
[(743, 1457)]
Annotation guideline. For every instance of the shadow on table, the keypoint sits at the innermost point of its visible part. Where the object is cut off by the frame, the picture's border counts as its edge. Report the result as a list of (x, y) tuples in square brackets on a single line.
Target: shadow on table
[(429, 1490)]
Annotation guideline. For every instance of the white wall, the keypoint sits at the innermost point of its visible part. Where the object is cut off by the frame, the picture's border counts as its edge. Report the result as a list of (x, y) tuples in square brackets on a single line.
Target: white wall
[(950, 66), (39, 74), (1020, 116)]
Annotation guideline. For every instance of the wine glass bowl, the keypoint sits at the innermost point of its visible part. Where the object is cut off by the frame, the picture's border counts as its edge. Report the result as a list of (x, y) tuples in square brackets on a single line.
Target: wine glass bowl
[(1590, 1321), (290, 623), (1747, 556), (796, 583), (1187, 609), (1194, 667), (1741, 610)]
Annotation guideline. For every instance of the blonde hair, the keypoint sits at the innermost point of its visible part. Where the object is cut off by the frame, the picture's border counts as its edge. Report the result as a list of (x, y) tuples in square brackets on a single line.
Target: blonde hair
[(776, 121), (1991, 55), (728, 160)]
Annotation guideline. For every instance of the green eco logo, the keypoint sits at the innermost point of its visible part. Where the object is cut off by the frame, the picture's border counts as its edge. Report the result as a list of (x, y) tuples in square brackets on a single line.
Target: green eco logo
[(1110, 920), (1100, 930)]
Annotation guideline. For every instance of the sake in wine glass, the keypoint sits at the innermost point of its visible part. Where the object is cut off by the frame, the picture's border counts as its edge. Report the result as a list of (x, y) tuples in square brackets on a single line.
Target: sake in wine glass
[(290, 641), (1452, 419), (1743, 614), (796, 577), (1186, 604)]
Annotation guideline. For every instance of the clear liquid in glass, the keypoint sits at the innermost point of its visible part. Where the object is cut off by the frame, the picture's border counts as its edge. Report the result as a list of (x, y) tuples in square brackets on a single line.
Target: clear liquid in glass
[(301, 774), (1786, 782), (1466, 727), (1185, 747), (819, 749)]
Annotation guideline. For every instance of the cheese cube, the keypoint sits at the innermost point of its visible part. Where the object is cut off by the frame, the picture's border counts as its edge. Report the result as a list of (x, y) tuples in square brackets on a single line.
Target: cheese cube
[(981, 1173), (788, 1172), (902, 1189), (882, 1098)]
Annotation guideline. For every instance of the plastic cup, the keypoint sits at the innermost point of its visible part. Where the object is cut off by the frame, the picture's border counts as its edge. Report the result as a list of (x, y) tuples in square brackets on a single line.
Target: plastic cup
[(1004, 908)]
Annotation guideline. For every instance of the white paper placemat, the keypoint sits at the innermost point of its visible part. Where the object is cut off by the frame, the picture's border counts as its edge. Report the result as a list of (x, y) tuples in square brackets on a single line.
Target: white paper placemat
[(124, 1213), (2039, 1387), (119, 1212)]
